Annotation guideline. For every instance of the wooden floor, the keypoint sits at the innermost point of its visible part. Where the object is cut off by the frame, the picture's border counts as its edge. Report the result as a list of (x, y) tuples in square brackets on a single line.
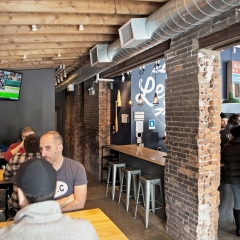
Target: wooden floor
[(135, 229)]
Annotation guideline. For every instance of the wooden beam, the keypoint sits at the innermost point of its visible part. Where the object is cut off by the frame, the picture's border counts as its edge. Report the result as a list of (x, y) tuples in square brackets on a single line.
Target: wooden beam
[(225, 38), (150, 55), (46, 51), (63, 19), (59, 29), (10, 64), (56, 38), (15, 57), (161, 1), (80, 7), (58, 45)]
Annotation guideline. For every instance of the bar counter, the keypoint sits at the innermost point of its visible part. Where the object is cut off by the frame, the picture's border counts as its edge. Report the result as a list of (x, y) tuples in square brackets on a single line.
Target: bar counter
[(143, 153), (149, 161)]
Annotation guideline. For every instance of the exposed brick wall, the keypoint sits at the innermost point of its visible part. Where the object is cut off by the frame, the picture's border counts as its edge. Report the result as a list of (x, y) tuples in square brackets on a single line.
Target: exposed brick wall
[(87, 124), (192, 170), (74, 124), (97, 125)]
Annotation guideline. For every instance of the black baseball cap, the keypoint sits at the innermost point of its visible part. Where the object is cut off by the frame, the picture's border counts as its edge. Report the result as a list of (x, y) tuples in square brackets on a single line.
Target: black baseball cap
[(36, 177)]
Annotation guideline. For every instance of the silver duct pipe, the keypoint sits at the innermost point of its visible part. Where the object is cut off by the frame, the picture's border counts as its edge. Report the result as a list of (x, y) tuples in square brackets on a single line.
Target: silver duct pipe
[(173, 18)]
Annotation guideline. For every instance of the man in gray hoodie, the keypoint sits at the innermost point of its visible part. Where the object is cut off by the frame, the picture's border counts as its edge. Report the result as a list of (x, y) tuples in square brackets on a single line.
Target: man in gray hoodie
[(40, 217)]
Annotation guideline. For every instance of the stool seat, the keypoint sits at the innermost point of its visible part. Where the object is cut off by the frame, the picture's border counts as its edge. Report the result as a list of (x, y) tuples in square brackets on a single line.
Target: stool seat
[(149, 182), (114, 166), (129, 173)]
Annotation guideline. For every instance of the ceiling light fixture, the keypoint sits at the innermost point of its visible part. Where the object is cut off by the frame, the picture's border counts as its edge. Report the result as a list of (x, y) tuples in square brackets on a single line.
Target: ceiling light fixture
[(130, 102), (59, 55), (34, 28), (55, 82), (81, 27), (24, 56), (123, 77), (155, 98), (231, 99), (234, 50), (64, 74), (140, 100)]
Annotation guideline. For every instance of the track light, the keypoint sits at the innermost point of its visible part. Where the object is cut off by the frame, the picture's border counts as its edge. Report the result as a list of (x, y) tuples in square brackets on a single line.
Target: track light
[(130, 102), (55, 83), (34, 28), (64, 74), (59, 55), (24, 56), (234, 50), (123, 77), (81, 28), (61, 77)]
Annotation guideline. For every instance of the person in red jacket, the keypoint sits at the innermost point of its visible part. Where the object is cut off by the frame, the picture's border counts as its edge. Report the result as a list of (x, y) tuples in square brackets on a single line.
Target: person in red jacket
[(18, 147)]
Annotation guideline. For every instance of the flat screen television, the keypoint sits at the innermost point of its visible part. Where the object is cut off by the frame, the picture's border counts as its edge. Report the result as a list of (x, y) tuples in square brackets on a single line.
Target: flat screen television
[(10, 85)]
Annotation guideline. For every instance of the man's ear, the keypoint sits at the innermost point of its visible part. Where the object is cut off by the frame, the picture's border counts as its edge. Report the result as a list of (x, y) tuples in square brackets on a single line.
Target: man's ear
[(23, 202), (60, 147)]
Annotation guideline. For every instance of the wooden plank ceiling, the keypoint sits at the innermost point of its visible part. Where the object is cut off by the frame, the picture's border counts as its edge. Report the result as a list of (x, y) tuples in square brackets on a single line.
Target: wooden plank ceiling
[(58, 40)]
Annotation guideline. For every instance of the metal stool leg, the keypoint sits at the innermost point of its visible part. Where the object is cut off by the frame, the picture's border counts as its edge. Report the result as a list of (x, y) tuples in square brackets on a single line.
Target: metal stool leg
[(147, 203), (152, 187), (138, 193), (114, 181), (108, 178), (128, 185), (135, 178), (121, 187)]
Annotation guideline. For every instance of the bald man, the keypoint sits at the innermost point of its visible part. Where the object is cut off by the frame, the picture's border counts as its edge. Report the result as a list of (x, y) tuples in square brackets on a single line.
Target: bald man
[(71, 190)]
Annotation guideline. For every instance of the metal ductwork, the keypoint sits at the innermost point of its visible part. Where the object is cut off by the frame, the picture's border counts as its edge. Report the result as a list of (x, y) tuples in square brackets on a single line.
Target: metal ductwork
[(173, 18)]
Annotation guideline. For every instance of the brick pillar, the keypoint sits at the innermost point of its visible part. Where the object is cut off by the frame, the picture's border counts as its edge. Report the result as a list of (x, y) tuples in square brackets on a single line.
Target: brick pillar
[(96, 125), (192, 170), (74, 124)]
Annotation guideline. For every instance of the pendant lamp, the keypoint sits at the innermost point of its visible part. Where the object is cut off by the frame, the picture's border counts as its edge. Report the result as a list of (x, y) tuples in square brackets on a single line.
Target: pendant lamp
[(140, 100), (155, 98), (231, 99)]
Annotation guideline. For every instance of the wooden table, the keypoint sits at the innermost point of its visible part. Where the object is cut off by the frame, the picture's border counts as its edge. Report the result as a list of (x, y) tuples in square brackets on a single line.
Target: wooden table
[(104, 227), (143, 153)]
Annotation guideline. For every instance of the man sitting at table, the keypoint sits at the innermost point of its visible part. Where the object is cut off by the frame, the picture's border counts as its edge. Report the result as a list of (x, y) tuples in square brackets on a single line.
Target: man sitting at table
[(40, 217), (71, 189), (19, 146), (31, 145)]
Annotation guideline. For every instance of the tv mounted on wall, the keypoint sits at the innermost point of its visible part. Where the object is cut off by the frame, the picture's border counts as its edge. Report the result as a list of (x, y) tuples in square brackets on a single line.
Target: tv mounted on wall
[(10, 85)]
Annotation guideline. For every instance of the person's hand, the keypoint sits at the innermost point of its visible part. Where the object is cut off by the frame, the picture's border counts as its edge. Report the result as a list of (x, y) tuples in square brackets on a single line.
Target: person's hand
[(21, 144)]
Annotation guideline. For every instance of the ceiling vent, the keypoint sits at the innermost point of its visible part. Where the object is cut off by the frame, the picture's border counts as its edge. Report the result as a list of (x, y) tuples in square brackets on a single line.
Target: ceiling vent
[(98, 55), (133, 33)]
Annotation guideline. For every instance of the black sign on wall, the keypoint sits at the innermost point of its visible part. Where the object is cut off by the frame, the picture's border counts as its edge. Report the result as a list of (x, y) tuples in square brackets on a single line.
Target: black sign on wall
[(152, 138)]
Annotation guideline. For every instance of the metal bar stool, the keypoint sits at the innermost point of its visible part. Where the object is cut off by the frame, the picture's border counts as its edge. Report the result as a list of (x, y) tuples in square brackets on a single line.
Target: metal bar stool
[(114, 166), (129, 173), (149, 183)]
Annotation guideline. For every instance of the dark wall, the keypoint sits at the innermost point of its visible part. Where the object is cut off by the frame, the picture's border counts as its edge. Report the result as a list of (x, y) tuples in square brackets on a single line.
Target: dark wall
[(152, 138), (35, 108), (123, 136), (60, 112)]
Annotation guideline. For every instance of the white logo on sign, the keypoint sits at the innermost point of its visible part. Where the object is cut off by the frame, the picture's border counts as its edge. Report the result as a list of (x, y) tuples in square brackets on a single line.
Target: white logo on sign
[(149, 87), (61, 189)]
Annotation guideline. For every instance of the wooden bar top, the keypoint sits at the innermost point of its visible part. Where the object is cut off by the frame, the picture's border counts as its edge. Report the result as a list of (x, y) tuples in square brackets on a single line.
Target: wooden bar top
[(2, 154), (2, 181), (1, 174), (104, 227), (147, 154)]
